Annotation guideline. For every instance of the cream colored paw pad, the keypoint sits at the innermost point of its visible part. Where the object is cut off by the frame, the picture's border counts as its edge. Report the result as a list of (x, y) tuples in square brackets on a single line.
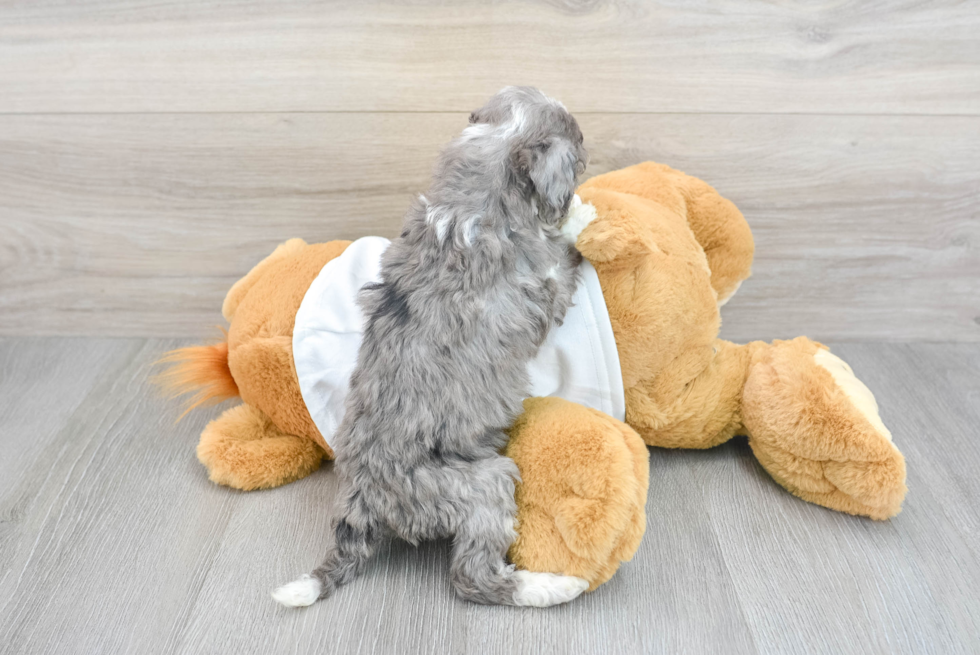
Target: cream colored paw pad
[(856, 391)]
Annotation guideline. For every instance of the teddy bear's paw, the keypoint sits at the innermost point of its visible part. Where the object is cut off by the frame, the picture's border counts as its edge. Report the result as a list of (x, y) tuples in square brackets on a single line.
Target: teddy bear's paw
[(546, 589), (874, 489), (298, 593), (856, 391), (879, 486), (244, 449), (815, 427)]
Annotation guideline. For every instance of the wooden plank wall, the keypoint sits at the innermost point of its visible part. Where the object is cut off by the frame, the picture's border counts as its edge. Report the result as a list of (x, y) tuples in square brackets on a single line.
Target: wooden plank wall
[(150, 153)]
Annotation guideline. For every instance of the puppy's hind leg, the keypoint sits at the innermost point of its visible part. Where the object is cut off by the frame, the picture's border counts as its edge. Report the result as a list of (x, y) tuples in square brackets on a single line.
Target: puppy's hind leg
[(480, 572), (356, 536)]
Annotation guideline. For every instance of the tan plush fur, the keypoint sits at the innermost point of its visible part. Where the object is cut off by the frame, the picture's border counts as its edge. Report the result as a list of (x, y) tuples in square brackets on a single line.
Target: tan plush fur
[(244, 449), (583, 491), (271, 439), (260, 339), (668, 248)]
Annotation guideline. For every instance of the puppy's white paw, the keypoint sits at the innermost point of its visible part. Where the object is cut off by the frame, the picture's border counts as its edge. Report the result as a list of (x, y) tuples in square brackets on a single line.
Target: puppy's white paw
[(546, 589), (298, 593), (579, 216)]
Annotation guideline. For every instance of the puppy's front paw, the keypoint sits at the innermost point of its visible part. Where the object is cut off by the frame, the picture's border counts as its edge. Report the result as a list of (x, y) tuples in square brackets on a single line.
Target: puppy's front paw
[(579, 216), (546, 589), (298, 593)]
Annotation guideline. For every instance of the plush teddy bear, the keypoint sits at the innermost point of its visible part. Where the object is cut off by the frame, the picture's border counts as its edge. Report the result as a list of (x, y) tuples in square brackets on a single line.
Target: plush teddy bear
[(639, 363)]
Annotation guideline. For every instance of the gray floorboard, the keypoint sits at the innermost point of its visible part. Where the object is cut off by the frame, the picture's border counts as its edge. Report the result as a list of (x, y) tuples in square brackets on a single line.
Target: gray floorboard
[(112, 540)]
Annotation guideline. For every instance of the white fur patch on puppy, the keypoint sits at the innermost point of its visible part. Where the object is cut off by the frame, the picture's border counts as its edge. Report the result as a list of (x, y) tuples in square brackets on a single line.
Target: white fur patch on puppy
[(546, 589), (298, 593), (579, 216)]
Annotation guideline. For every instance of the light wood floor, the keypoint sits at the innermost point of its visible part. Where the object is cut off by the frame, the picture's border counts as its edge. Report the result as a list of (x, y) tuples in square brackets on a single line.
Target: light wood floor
[(112, 540)]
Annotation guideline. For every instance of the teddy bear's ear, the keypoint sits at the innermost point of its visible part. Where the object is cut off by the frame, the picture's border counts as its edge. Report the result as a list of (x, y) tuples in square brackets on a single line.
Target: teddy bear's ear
[(549, 168)]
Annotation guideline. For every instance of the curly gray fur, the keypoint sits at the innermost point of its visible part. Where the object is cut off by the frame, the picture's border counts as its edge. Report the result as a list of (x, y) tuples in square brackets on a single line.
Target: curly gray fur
[(468, 293)]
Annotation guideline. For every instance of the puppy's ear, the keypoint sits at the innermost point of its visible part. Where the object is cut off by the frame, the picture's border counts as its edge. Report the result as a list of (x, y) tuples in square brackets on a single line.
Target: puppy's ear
[(550, 169)]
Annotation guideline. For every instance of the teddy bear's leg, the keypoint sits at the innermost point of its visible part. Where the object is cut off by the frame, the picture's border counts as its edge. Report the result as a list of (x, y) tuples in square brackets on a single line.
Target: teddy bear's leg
[(815, 427), (260, 338), (582, 496), (267, 381), (244, 449), (696, 400)]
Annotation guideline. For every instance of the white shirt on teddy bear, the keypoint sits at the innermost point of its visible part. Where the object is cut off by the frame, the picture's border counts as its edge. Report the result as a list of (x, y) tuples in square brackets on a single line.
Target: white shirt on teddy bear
[(578, 361)]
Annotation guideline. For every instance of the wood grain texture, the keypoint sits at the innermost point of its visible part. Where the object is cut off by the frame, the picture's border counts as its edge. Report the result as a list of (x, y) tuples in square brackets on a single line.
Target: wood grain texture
[(832, 56), (866, 227), (112, 540)]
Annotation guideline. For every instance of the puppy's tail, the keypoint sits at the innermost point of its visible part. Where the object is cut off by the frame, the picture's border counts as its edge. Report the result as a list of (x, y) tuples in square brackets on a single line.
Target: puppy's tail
[(199, 370), (352, 548)]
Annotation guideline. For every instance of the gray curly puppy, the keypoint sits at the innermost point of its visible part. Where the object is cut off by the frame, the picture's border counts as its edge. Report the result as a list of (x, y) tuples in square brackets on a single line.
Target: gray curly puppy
[(468, 293)]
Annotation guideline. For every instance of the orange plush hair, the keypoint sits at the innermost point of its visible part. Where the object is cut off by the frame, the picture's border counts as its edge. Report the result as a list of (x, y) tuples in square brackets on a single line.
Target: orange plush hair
[(201, 370)]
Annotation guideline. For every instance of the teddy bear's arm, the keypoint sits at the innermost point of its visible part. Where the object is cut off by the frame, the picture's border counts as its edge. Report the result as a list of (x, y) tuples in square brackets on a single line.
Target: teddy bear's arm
[(603, 226), (717, 224), (723, 233)]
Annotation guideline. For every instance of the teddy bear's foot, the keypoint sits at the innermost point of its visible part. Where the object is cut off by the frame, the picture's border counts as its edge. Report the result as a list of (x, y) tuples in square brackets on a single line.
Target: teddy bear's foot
[(243, 449), (815, 428), (581, 501)]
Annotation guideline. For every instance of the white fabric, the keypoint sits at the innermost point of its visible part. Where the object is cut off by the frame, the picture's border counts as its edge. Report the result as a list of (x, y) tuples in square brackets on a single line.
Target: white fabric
[(578, 361)]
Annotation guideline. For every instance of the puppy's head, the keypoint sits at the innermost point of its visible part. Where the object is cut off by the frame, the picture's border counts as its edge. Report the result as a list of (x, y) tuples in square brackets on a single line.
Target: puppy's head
[(545, 152)]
